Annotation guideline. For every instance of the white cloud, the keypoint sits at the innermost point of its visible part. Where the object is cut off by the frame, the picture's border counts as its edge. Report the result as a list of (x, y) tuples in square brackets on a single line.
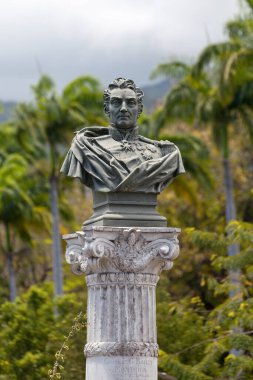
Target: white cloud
[(103, 38)]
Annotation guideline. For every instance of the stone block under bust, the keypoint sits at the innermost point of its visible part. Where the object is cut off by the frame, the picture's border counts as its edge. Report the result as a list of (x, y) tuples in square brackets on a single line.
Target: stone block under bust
[(125, 209)]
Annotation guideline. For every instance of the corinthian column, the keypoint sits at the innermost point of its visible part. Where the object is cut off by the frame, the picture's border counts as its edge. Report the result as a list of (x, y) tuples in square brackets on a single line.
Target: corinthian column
[(122, 267)]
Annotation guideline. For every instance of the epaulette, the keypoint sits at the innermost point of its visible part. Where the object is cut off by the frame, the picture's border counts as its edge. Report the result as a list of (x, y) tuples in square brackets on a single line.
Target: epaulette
[(95, 131)]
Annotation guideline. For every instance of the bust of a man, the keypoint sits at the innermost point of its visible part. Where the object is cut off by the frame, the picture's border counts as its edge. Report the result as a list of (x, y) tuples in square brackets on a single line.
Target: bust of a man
[(117, 158)]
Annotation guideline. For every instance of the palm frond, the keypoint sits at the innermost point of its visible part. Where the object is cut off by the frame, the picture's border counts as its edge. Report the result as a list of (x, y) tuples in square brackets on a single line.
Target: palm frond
[(246, 114), (213, 52), (239, 28), (180, 102), (189, 144), (184, 189), (44, 87), (80, 86), (174, 70), (250, 4), (195, 156)]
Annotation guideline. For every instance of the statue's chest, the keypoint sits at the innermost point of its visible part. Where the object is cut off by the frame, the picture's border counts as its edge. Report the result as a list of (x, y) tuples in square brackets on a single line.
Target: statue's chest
[(131, 152)]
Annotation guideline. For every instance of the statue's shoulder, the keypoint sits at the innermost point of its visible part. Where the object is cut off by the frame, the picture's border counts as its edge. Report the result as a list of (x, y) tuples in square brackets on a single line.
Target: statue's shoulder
[(90, 134), (165, 145), (93, 132)]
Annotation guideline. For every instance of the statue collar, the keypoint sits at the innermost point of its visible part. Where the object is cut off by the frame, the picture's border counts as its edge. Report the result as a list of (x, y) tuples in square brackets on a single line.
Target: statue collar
[(124, 134)]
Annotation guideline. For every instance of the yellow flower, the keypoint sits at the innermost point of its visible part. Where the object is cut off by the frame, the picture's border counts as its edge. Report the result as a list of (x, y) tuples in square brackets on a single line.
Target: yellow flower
[(195, 300), (243, 306), (230, 357)]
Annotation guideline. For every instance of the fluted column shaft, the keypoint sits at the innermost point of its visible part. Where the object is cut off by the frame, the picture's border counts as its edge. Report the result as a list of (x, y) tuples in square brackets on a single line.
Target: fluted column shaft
[(121, 307), (122, 269)]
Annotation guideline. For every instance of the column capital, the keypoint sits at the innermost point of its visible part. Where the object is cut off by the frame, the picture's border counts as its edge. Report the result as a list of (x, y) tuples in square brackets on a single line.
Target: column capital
[(100, 249)]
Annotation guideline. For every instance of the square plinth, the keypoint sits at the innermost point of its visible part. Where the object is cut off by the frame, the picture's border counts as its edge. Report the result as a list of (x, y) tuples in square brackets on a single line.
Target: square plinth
[(125, 210)]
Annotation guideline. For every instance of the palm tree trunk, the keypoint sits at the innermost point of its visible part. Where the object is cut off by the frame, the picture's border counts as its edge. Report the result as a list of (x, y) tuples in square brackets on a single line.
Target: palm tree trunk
[(230, 203), (12, 279), (10, 267), (233, 249), (57, 251)]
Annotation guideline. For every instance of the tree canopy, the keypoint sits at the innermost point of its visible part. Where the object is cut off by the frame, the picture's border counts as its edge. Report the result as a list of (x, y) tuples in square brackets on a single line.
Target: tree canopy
[(204, 318)]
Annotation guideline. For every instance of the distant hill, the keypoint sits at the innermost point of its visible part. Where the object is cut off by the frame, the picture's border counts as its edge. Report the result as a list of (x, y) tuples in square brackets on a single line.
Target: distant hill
[(155, 93), (6, 113)]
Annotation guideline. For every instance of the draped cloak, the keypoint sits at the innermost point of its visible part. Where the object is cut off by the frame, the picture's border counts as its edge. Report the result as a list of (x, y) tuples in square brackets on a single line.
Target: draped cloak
[(108, 160)]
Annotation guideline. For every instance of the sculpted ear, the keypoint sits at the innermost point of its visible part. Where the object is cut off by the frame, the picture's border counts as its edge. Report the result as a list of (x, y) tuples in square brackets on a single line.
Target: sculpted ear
[(106, 109), (106, 102)]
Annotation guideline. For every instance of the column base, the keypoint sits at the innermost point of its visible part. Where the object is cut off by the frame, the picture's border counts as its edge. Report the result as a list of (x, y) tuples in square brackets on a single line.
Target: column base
[(121, 368)]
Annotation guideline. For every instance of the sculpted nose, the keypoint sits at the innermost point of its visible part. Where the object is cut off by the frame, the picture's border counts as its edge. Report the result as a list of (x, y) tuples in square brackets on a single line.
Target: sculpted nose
[(123, 107)]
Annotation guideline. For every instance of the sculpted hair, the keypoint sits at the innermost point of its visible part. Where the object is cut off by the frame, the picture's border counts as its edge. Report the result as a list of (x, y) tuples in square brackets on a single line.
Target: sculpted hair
[(123, 83)]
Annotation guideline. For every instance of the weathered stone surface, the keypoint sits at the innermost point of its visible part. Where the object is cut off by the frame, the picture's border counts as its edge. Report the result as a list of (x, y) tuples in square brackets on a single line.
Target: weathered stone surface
[(118, 159), (118, 249), (125, 209), (124, 245), (121, 308), (121, 349), (122, 267), (121, 368)]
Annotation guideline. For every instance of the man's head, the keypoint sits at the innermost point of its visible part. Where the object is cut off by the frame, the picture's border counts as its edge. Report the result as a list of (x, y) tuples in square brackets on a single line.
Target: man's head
[(123, 102)]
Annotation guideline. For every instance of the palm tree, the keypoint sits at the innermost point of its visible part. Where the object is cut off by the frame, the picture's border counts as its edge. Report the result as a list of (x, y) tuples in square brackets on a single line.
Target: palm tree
[(229, 67), (205, 96), (19, 212), (51, 120), (13, 206), (194, 152)]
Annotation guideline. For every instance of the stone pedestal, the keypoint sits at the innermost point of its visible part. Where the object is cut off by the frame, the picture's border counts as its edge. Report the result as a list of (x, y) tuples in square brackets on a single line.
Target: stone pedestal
[(122, 267), (125, 209)]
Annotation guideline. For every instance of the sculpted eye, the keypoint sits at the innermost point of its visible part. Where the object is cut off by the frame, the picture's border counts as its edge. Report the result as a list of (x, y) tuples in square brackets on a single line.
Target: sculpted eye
[(115, 101)]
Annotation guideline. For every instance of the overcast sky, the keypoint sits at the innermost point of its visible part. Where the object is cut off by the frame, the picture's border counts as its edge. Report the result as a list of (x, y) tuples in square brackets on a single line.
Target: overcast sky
[(104, 38)]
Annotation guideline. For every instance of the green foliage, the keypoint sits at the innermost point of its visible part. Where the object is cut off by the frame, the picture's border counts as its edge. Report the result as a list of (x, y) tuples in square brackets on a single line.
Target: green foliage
[(199, 340), (182, 372), (176, 69), (45, 128), (31, 335), (196, 155), (197, 343), (175, 321), (58, 367), (201, 321), (207, 240)]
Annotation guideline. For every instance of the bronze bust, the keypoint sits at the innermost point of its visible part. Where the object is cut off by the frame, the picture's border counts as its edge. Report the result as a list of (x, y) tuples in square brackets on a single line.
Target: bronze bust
[(118, 159)]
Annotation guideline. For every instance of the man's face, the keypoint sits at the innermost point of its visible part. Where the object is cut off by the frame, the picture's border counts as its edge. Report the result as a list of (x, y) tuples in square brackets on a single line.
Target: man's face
[(123, 108)]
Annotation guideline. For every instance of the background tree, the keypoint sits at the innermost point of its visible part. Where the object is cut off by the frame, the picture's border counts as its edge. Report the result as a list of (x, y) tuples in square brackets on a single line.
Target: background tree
[(194, 151), (194, 310), (32, 334), (208, 95), (20, 210), (51, 120)]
